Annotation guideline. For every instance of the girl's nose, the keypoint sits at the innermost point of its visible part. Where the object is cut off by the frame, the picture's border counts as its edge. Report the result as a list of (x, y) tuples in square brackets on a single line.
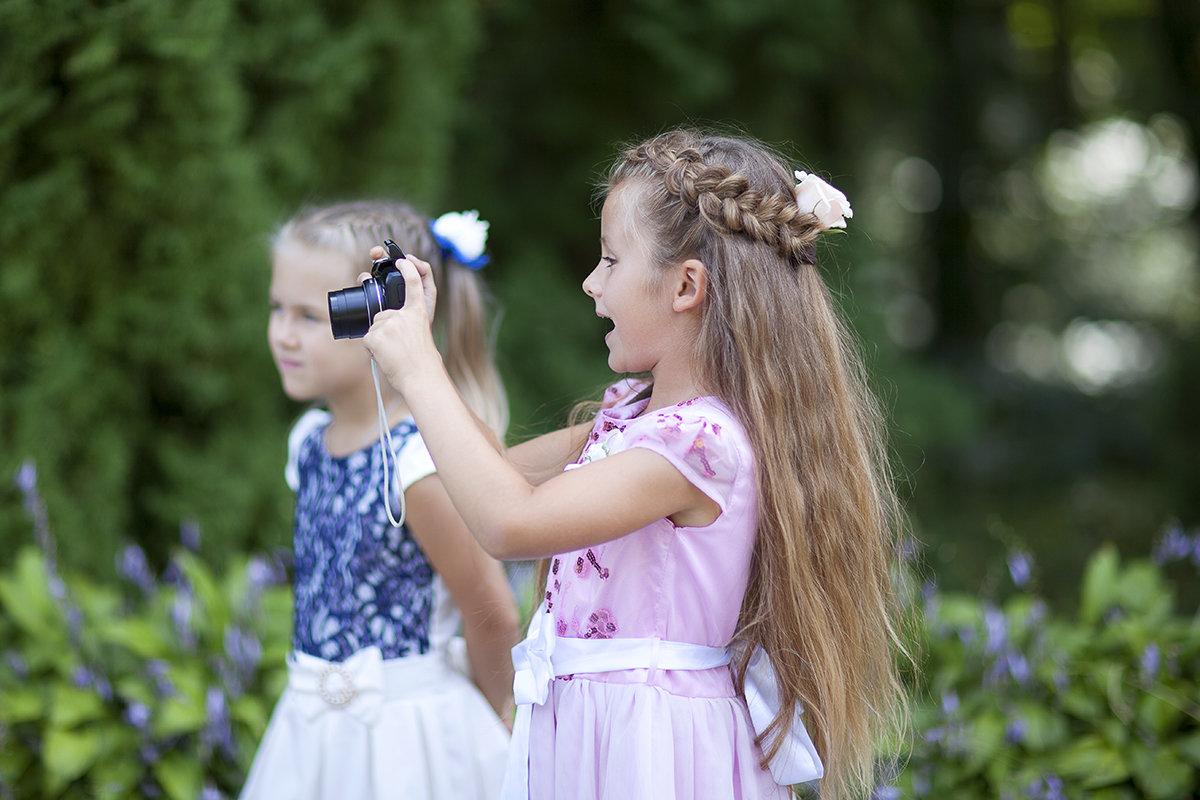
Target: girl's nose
[(281, 331), (591, 284)]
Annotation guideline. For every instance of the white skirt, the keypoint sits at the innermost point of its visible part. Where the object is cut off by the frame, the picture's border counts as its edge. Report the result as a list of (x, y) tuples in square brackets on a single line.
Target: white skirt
[(367, 728)]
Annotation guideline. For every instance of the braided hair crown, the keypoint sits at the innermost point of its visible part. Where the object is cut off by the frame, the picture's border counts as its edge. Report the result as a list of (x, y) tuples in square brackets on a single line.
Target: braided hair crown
[(725, 186)]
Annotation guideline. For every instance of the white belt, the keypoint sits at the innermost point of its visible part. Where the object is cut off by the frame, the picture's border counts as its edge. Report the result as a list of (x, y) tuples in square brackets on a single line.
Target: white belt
[(359, 685), (543, 655)]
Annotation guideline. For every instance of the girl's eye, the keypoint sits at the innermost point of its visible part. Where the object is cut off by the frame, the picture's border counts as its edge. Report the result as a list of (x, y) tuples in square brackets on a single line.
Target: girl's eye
[(608, 260)]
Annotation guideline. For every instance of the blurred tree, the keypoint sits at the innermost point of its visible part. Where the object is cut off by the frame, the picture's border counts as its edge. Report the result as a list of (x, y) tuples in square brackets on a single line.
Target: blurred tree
[(1022, 267), (146, 149), (1035, 402)]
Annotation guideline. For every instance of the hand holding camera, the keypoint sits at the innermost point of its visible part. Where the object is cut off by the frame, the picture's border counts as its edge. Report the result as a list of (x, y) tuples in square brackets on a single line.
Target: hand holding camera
[(352, 310)]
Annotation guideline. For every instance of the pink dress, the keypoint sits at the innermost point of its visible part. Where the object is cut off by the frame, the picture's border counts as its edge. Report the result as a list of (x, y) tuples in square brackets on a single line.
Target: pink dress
[(656, 733)]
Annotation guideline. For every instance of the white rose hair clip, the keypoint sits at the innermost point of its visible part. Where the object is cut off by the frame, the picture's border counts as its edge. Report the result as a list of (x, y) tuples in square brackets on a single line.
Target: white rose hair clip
[(463, 235), (823, 201)]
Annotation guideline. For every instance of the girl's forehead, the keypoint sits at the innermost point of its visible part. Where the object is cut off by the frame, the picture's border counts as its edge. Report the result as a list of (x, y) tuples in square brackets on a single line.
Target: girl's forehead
[(620, 212), (293, 260)]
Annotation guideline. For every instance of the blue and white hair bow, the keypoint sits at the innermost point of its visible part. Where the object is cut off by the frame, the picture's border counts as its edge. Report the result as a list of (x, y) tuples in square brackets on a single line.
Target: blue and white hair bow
[(463, 235)]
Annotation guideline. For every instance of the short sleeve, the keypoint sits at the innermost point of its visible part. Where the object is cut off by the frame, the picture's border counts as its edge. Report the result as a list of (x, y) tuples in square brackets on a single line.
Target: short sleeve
[(413, 461), (312, 420), (709, 450)]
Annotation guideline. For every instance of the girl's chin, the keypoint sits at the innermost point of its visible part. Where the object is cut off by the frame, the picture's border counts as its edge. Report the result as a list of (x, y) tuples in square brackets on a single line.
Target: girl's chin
[(297, 393)]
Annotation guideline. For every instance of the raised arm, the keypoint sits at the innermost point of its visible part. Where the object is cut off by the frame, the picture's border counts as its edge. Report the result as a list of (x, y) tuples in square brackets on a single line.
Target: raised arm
[(511, 515)]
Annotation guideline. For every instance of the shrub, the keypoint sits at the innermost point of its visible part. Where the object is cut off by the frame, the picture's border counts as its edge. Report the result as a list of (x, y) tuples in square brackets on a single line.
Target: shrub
[(1020, 702), (158, 687)]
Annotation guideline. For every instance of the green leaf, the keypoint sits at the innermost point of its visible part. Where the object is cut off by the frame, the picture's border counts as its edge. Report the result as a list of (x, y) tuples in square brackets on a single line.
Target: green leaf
[(26, 597), (1043, 729), (138, 635), (1094, 762), (180, 777), (1159, 716), (20, 704), (1141, 590), (1189, 748), (71, 705), (985, 737), (185, 711), (1160, 772), (251, 712), (68, 754), (1099, 585), (116, 778)]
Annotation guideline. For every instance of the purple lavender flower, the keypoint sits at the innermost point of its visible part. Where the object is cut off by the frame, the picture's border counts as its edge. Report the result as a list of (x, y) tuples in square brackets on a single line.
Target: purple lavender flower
[(189, 535), (1173, 546), (219, 731), (132, 565), (885, 793), (949, 702), (82, 677), (35, 509), (159, 673), (26, 477), (996, 627), (181, 615), (1018, 666), (17, 663), (1020, 567), (149, 752), (210, 792), (138, 715), (1151, 660), (244, 650), (1015, 732)]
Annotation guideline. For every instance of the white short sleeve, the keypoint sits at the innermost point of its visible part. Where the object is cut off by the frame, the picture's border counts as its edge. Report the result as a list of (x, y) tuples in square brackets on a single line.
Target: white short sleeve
[(413, 461), (311, 420)]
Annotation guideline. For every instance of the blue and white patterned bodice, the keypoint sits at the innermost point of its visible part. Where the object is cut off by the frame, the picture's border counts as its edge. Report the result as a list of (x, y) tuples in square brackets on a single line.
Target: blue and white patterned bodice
[(358, 580)]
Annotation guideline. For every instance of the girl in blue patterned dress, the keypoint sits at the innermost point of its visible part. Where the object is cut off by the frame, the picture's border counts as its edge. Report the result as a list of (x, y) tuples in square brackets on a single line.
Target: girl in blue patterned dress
[(378, 702)]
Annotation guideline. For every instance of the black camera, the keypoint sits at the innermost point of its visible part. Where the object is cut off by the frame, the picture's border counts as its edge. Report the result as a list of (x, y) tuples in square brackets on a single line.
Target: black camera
[(352, 310)]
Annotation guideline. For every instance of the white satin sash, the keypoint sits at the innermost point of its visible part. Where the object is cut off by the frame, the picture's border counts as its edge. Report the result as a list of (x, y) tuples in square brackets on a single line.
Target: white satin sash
[(543, 655)]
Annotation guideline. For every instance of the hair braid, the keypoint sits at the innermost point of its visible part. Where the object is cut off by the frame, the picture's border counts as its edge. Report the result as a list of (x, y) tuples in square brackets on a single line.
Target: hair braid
[(726, 202)]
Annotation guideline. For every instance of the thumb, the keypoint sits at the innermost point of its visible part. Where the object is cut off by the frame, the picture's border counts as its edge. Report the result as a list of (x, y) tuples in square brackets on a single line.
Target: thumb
[(412, 283)]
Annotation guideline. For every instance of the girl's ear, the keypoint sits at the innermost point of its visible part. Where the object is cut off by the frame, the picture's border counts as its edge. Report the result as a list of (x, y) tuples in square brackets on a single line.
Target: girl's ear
[(691, 285)]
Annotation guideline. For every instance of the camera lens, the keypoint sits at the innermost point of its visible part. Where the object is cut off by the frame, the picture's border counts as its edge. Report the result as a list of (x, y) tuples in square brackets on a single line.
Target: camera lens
[(352, 310)]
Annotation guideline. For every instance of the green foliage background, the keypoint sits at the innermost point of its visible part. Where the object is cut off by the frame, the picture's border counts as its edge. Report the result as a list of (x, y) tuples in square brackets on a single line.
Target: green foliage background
[(1022, 270), (147, 149)]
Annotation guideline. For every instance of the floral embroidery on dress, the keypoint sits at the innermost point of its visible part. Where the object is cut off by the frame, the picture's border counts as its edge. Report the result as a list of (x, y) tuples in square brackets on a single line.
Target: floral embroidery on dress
[(698, 450), (601, 571), (601, 447), (601, 625)]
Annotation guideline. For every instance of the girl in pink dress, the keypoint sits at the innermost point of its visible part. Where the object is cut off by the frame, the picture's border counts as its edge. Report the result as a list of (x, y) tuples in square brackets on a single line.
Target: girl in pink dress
[(718, 618)]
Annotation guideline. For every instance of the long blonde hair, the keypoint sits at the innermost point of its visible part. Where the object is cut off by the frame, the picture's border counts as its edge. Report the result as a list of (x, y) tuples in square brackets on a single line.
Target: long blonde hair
[(461, 318), (821, 600)]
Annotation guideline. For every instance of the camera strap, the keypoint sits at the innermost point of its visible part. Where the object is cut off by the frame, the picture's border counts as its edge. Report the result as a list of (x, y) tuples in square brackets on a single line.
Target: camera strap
[(385, 445)]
